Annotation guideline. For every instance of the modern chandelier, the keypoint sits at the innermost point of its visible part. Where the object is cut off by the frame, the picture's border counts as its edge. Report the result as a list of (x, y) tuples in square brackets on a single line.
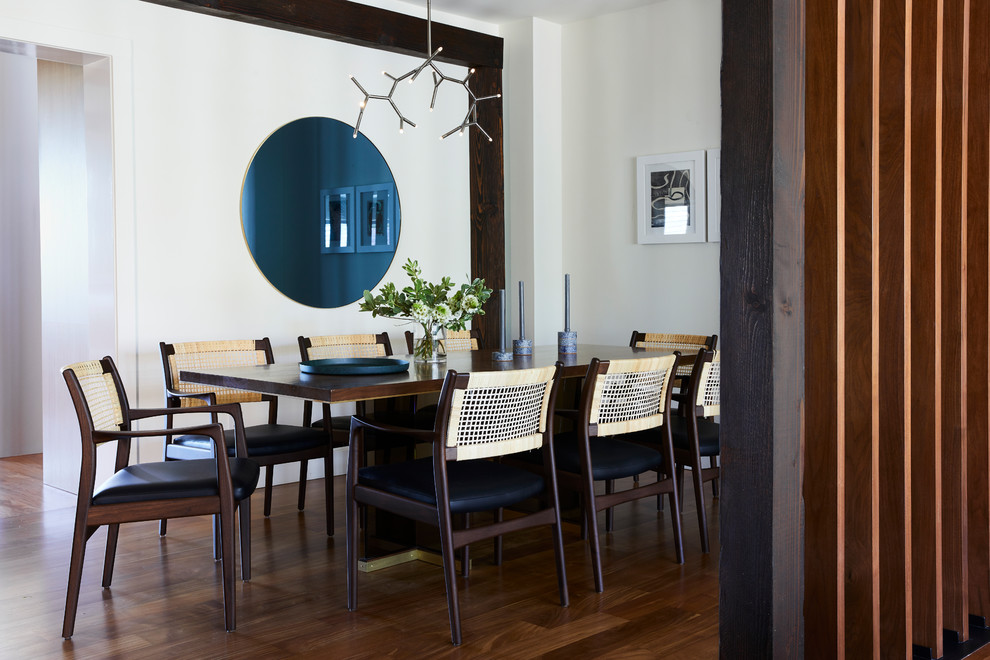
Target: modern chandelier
[(439, 77)]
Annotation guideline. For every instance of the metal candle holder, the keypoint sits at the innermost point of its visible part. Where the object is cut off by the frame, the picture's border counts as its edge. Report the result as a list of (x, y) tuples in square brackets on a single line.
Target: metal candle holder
[(567, 340), (522, 347), (501, 355)]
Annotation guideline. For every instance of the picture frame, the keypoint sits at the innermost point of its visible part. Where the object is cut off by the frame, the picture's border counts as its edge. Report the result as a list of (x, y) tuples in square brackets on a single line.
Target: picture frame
[(376, 217), (338, 233), (670, 198), (714, 170)]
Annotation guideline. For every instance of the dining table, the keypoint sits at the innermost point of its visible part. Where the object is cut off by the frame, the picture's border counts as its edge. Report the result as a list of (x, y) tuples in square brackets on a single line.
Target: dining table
[(286, 379), (397, 540)]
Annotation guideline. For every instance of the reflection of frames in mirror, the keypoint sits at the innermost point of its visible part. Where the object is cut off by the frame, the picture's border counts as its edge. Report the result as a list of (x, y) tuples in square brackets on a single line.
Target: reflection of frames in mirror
[(312, 176)]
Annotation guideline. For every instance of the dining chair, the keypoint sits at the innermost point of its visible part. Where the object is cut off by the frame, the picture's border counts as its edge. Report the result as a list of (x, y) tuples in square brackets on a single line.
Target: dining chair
[(618, 397), (482, 416), (149, 491), (688, 345), (340, 346), (696, 434), (455, 342), (268, 444)]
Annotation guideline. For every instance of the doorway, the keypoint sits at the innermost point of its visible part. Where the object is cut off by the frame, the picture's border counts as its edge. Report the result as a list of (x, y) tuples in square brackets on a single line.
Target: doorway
[(58, 300)]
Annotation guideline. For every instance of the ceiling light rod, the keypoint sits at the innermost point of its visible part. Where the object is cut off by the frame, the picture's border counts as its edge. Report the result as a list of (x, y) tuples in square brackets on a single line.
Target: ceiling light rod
[(470, 119)]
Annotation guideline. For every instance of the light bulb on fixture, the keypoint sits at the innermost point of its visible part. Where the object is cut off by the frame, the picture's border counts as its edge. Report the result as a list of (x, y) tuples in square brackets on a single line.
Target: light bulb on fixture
[(439, 77)]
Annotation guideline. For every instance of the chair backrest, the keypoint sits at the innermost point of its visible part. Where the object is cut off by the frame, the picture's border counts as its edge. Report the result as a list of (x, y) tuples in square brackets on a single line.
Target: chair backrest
[(624, 396), (212, 354), (456, 340), (344, 346), (494, 413), (97, 395), (688, 345), (706, 383)]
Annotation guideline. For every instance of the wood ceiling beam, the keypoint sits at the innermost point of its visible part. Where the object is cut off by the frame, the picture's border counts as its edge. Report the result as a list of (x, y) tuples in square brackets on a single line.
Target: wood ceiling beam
[(356, 24)]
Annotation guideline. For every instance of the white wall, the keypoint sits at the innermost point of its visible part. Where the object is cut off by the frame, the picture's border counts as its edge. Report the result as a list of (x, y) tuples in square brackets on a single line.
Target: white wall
[(20, 268), (638, 82), (205, 92)]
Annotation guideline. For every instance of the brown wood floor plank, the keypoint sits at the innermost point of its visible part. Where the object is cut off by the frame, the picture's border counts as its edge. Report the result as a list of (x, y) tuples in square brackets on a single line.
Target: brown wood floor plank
[(165, 600)]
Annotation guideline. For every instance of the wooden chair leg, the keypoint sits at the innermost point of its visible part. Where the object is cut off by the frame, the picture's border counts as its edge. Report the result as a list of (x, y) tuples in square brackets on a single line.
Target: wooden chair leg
[(596, 555), (113, 532), (699, 498), (217, 549), (328, 490), (450, 577), (675, 519), (498, 539), (244, 524), (609, 489), (303, 466), (679, 471), (269, 479), (79, 537), (227, 563), (466, 550), (162, 526), (351, 516), (713, 462)]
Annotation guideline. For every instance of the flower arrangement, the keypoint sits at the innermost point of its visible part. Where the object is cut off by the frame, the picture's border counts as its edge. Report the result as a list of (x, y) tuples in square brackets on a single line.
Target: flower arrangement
[(430, 305)]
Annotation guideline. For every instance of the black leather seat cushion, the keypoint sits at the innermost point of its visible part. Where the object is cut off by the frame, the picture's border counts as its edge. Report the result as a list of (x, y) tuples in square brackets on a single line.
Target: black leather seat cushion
[(262, 440), (707, 435), (175, 479), (477, 485), (611, 458)]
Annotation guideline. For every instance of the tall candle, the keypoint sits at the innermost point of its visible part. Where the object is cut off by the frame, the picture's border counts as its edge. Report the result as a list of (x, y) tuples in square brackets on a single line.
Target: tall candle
[(501, 325), (567, 302), (522, 310)]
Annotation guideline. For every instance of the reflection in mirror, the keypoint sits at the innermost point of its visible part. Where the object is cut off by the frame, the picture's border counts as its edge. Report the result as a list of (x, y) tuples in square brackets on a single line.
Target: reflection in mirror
[(320, 212)]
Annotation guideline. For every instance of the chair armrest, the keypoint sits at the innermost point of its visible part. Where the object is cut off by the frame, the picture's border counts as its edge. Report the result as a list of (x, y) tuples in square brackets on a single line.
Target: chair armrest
[(209, 398), (422, 434), (232, 409)]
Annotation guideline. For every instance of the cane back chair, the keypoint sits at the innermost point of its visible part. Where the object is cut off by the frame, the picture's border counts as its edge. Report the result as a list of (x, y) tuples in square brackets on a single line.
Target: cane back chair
[(619, 397), (268, 444), (687, 345), (148, 491), (482, 415), (696, 433), (455, 340)]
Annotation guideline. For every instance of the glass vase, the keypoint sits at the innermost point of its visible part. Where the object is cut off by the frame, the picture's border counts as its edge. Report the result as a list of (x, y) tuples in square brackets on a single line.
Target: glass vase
[(429, 341)]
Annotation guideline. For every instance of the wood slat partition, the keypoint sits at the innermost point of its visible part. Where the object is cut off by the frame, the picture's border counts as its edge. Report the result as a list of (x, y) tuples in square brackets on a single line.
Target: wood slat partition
[(976, 200), (897, 532)]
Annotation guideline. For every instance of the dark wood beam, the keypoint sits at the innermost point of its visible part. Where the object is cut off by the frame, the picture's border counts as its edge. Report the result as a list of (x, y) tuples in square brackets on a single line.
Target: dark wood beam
[(762, 307), (356, 24), (488, 198)]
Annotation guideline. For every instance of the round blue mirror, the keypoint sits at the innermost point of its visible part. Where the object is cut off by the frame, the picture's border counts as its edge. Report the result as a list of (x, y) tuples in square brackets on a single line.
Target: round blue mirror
[(320, 212)]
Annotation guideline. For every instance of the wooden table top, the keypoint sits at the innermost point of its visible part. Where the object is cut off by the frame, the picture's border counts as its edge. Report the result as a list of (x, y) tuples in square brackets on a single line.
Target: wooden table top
[(286, 379)]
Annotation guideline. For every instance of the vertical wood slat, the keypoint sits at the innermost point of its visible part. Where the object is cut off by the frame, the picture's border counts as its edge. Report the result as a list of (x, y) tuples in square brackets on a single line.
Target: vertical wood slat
[(926, 531), (951, 383), (824, 556), (894, 457), (856, 330), (897, 256), (977, 212)]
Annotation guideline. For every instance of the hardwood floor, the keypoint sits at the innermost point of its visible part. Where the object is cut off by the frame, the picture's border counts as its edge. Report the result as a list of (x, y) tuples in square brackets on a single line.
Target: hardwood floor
[(166, 594)]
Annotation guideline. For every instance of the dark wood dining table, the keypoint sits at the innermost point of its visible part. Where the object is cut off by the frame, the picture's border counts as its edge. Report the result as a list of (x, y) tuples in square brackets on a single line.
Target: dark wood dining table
[(285, 379)]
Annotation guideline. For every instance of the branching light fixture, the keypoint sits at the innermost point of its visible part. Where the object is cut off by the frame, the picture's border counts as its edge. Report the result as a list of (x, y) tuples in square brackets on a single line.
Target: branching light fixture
[(439, 77)]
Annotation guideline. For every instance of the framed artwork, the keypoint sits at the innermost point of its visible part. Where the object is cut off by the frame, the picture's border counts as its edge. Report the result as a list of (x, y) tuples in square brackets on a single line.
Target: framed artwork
[(337, 230), (714, 195), (376, 217), (670, 192)]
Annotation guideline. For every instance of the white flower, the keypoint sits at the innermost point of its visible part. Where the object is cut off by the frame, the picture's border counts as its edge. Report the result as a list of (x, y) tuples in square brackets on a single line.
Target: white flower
[(441, 313), (420, 312), (470, 304)]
